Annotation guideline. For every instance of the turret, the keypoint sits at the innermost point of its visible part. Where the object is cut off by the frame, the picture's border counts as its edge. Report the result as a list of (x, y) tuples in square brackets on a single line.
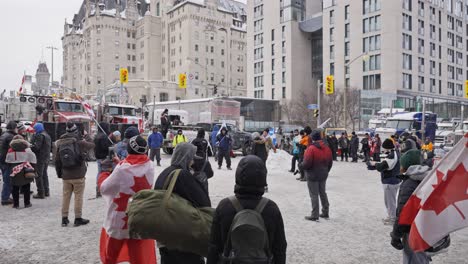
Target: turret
[(131, 12)]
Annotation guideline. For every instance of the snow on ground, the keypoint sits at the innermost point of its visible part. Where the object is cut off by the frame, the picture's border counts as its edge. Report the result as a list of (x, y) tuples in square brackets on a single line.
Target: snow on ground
[(354, 234)]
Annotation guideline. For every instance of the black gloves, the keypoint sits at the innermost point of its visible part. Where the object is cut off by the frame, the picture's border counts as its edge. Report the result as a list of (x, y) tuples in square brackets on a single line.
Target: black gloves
[(396, 242)]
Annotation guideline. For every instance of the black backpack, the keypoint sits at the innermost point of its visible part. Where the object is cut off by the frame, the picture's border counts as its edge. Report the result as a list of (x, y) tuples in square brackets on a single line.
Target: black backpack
[(247, 241), (70, 156)]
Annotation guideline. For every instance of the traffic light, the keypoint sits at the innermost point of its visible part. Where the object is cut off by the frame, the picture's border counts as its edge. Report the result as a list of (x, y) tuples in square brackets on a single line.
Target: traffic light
[(316, 113), (123, 75), (330, 85), (466, 89), (215, 89), (182, 81)]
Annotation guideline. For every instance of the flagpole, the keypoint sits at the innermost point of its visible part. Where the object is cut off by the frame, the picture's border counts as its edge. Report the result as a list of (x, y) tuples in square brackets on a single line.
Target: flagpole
[(94, 120)]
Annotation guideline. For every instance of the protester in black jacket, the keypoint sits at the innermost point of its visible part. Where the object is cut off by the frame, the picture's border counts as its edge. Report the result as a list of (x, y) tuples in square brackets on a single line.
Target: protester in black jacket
[(5, 140), (188, 188), (41, 146), (333, 144), (103, 143), (354, 147), (249, 189), (365, 148), (202, 167)]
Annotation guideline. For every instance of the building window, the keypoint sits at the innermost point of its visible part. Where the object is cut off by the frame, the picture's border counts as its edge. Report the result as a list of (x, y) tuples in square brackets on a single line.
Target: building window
[(196, 47), (421, 84), (347, 12), (407, 62), (421, 8), (332, 34), (432, 86), (332, 17), (421, 65), (450, 89), (332, 52), (372, 82), (273, 93), (407, 41), (283, 92), (407, 5), (332, 68), (272, 35), (346, 49), (421, 46), (407, 81), (163, 97), (407, 22), (98, 42), (99, 54), (272, 79), (347, 30), (116, 56), (117, 43), (283, 77)]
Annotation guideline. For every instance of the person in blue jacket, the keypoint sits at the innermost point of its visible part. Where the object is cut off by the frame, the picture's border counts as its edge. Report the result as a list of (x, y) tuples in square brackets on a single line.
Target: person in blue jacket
[(223, 142), (155, 141)]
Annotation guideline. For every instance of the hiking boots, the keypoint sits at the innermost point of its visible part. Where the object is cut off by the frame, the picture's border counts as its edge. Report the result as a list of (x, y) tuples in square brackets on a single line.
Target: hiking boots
[(310, 218), (158, 164), (27, 205), (81, 221), (324, 216), (229, 168), (65, 221), (39, 196), (46, 193)]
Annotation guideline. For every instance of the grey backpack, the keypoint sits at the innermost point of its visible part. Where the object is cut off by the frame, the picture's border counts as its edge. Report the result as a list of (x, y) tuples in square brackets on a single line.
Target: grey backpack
[(247, 241)]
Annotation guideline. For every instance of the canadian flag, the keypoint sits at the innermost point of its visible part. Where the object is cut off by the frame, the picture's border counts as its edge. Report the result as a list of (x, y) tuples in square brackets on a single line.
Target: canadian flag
[(130, 176), (22, 83), (439, 206), (87, 107)]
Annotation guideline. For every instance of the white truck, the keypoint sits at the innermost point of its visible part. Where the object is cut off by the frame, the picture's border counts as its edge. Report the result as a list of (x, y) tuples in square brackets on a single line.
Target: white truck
[(446, 135)]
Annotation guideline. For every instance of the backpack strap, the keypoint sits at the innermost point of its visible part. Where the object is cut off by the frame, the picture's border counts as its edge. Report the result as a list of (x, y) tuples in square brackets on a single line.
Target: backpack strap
[(174, 175), (235, 202), (261, 205)]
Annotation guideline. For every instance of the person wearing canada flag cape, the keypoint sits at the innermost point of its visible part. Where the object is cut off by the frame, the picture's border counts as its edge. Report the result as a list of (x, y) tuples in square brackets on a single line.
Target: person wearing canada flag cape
[(133, 174), (433, 206)]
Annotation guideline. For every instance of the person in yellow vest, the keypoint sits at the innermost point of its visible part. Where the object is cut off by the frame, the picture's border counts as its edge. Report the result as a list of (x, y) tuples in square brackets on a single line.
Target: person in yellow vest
[(179, 138), (428, 147)]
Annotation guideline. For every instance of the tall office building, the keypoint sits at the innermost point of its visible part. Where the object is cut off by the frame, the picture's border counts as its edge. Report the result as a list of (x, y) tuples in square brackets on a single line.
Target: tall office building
[(284, 48), (398, 53)]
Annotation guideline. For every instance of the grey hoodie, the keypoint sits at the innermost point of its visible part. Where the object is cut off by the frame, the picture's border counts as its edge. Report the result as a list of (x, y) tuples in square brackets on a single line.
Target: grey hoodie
[(183, 155), (417, 172)]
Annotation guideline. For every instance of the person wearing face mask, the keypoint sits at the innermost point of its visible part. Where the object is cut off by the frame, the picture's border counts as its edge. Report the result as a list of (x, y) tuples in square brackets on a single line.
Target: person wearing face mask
[(5, 141), (179, 138), (188, 188), (389, 170)]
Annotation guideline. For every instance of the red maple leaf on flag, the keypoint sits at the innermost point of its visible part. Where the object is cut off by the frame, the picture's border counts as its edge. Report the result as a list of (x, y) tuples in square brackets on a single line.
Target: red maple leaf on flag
[(122, 202), (141, 183), (448, 192)]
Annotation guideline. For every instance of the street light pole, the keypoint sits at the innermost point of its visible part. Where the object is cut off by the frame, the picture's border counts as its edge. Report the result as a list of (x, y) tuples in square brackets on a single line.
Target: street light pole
[(52, 48), (345, 101)]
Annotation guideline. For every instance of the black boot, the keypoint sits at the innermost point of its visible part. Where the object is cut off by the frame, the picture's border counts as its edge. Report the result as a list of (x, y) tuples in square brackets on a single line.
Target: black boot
[(39, 195), (47, 193), (324, 216), (310, 218), (65, 221), (81, 221)]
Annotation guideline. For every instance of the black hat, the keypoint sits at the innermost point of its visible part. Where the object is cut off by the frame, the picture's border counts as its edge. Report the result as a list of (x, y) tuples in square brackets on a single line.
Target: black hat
[(131, 132), (11, 125), (308, 130), (137, 145), (388, 144), (316, 135), (71, 127), (251, 176)]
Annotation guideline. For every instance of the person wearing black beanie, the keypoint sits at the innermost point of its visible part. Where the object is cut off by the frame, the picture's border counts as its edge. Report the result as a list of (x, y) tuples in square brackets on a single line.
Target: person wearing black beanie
[(137, 146)]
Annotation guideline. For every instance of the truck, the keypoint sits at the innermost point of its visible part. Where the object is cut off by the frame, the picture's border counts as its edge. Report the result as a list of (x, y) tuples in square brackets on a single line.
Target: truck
[(411, 123), (241, 141), (120, 116), (446, 135), (55, 113)]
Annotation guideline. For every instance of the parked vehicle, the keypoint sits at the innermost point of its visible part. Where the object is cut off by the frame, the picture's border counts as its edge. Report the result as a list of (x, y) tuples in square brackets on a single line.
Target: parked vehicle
[(446, 135), (409, 122), (240, 140), (120, 116)]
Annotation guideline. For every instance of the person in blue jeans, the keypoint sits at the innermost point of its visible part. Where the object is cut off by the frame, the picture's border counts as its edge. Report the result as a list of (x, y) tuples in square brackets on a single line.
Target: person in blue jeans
[(5, 140), (155, 141)]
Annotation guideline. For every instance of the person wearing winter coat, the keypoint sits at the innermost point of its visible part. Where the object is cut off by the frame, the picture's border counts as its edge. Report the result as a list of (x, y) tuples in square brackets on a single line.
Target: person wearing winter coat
[(165, 122), (249, 189), (333, 143), (223, 142), (343, 142), (179, 138), (365, 147), (103, 142), (318, 161), (188, 188), (22, 160), (303, 144), (155, 141), (41, 146), (5, 140), (133, 174), (268, 142), (354, 147), (295, 151), (259, 148), (413, 174), (376, 148), (389, 170), (121, 147), (213, 138), (202, 167), (73, 178)]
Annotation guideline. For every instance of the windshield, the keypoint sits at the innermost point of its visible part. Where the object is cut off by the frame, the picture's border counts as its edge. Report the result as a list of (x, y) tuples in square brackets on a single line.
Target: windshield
[(465, 127), (399, 124), (69, 107), (122, 111), (445, 128)]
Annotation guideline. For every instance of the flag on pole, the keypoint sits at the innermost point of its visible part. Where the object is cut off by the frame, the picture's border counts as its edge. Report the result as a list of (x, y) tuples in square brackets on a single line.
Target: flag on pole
[(439, 206), (87, 107), (22, 83)]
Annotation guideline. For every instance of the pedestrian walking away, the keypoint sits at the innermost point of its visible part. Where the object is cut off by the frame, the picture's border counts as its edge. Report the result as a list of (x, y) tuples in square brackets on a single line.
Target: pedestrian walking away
[(249, 189), (5, 140), (354, 147), (102, 142), (71, 167), (318, 161), (343, 142), (41, 146), (155, 141), (295, 151), (365, 149)]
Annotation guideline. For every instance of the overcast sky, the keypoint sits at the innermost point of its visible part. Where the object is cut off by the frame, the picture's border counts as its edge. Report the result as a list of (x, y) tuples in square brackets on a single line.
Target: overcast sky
[(28, 27)]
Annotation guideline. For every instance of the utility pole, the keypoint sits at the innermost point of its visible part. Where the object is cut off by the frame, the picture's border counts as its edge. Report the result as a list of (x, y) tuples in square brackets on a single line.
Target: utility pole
[(319, 93), (52, 48)]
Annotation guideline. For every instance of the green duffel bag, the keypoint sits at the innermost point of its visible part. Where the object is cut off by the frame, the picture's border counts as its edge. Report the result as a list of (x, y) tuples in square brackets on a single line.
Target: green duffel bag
[(170, 219)]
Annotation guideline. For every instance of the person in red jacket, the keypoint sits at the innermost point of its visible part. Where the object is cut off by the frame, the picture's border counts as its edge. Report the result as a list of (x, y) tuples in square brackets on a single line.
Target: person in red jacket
[(318, 161)]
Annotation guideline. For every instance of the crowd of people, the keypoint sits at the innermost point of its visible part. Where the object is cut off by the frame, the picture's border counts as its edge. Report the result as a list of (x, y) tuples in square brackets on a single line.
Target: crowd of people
[(126, 167)]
